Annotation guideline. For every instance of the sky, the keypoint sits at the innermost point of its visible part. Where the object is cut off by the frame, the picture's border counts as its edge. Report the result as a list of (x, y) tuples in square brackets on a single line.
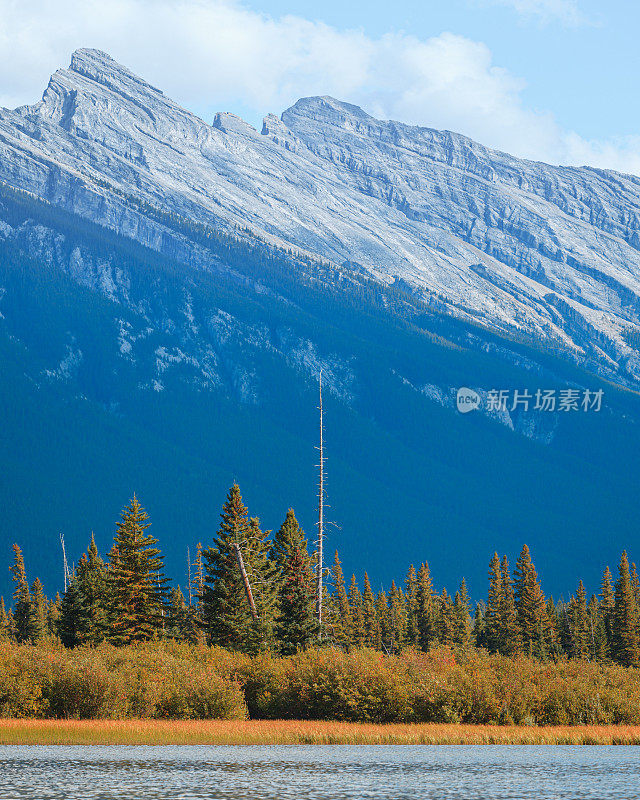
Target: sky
[(551, 80)]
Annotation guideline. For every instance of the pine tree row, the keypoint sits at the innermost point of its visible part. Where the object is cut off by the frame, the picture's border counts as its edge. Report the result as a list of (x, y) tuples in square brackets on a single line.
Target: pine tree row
[(250, 591)]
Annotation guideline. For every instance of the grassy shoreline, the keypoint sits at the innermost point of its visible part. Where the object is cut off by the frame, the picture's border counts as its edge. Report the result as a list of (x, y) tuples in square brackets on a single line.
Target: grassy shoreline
[(291, 732)]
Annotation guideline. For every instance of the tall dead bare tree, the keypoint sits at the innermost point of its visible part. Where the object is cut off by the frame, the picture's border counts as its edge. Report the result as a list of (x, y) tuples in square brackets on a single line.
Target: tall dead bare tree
[(321, 491)]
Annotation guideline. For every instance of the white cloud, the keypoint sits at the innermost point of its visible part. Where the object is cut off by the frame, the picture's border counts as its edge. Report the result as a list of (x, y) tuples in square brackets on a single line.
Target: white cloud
[(216, 54), (565, 11)]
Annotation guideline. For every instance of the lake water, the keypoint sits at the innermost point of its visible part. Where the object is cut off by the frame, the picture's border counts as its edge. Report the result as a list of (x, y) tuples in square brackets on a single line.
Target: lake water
[(319, 773)]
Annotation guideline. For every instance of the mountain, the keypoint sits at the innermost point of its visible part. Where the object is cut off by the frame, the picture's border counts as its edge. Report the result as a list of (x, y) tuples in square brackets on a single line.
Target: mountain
[(170, 291)]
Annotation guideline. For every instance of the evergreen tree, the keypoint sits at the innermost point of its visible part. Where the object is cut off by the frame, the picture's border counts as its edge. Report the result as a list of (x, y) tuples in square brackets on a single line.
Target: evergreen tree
[(598, 650), (226, 615), (564, 626), (384, 623), (370, 617), (199, 577), (607, 608), (196, 593), (397, 615), (53, 615), (340, 606), (92, 580), (264, 584), (494, 623), (84, 610), (68, 628), (21, 597), (553, 633), (445, 620), (178, 620), (288, 538), (357, 634), (635, 584), (479, 625), (462, 617), (626, 641), (531, 607), (510, 640), (296, 624), (411, 597), (580, 639), (136, 579), (426, 611), (38, 627)]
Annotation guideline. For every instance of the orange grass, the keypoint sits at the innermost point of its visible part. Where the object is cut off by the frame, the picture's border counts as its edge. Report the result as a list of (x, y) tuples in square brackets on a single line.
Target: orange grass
[(161, 732)]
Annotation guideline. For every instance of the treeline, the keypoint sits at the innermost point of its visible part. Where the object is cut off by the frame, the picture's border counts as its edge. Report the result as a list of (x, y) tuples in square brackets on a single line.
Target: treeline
[(126, 599)]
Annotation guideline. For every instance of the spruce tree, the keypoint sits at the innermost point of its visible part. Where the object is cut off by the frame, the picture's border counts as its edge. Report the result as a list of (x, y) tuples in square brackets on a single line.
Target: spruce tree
[(196, 628), (510, 640), (196, 589), (370, 617), (626, 639), (531, 607), (564, 626), (296, 622), (426, 611), (384, 641), (357, 634), (264, 584), (226, 614), (479, 625), (38, 627), (288, 538), (53, 615), (341, 611), (68, 621), (553, 631), (92, 579), (495, 604), (635, 584), (411, 597), (397, 616), (446, 625), (136, 579), (598, 650), (580, 639), (84, 611), (178, 622), (21, 597), (462, 617), (607, 608)]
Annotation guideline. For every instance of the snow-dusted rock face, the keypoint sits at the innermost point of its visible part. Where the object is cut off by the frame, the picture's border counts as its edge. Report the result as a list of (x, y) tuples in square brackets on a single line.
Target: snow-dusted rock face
[(551, 253)]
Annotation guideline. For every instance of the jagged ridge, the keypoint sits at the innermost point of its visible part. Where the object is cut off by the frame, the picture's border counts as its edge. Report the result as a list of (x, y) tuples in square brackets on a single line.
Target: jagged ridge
[(549, 252)]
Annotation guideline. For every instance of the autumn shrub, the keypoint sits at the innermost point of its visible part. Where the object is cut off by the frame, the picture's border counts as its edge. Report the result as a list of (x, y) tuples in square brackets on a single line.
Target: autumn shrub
[(329, 684), (20, 690), (82, 687), (106, 682), (170, 680), (177, 681)]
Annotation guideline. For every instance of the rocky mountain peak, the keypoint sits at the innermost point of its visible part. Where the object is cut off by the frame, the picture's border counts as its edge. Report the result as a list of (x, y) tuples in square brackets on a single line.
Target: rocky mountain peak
[(101, 68), (550, 253)]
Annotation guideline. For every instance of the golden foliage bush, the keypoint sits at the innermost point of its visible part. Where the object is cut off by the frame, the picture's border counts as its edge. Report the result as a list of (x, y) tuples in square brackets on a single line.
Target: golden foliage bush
[(168, 680), (146, 681)]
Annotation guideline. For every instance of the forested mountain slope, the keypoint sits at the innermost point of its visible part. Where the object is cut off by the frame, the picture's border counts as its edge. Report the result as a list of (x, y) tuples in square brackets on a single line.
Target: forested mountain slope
[(126, 370)]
